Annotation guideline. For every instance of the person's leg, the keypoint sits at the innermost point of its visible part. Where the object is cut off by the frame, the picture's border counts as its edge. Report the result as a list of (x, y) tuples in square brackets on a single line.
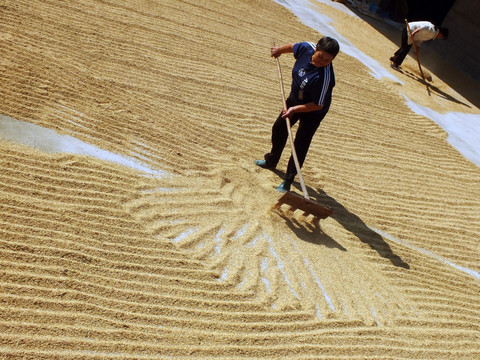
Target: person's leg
[(279, 139), (401, 53), (307, 128)]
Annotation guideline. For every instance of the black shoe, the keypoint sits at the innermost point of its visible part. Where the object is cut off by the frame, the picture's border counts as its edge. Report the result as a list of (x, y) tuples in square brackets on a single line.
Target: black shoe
[(263, 164), (394, 64), (284, 187)]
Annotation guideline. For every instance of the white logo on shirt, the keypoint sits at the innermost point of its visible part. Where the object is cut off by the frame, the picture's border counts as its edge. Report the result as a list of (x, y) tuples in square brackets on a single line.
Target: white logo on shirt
[(301, 72), (302, 86)]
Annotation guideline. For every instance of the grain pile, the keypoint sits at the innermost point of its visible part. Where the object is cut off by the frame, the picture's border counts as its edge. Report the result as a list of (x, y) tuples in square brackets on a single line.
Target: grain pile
[(101, 261)]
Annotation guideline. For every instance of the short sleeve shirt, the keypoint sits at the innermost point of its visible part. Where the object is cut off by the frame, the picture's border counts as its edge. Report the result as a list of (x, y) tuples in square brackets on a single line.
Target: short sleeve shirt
[(310, 83), (426, 31)]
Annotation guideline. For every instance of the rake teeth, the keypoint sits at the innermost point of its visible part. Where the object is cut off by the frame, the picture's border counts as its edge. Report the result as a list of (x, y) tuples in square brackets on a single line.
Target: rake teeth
[(296, 201)]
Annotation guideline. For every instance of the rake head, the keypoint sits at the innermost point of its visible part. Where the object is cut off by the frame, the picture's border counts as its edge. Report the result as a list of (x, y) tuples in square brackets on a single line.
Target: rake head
[(296, 201)]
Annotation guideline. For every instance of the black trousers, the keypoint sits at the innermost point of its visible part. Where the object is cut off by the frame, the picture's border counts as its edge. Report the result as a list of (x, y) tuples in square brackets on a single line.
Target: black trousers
[(308, 126), (401, 53)]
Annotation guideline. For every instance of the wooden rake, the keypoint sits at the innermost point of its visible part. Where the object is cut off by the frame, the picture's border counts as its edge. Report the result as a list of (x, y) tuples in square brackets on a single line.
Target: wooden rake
[(294, 200)]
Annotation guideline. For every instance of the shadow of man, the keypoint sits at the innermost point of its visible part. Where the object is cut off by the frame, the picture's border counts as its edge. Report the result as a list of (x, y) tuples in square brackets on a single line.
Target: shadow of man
[(356, 226), (309, 231), (432, 87), (313, 233)]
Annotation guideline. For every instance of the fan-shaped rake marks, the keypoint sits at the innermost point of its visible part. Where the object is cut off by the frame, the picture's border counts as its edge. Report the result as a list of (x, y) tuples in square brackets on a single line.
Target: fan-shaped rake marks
[(246, 256), (224, 243)]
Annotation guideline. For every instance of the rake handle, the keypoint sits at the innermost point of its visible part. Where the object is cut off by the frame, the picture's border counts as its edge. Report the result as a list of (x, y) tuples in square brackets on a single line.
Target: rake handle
[(290, 136)]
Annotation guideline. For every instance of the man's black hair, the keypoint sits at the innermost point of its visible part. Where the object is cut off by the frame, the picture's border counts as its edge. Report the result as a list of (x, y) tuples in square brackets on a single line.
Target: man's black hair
[(329, 45)]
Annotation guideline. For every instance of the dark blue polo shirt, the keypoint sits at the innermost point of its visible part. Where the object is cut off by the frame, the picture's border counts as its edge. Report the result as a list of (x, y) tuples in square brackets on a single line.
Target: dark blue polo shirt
[(309, 83)]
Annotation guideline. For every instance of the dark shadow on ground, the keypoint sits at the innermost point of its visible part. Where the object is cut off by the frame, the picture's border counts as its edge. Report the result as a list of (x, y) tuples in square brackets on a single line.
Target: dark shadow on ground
[(356, 226), (313, 233), (429, 86), (308, 230)]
